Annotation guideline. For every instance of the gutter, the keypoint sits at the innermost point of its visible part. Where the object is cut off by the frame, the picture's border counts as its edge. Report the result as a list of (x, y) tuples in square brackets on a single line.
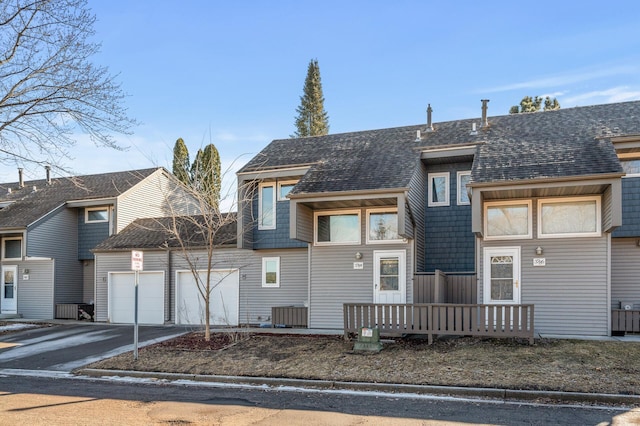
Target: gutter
[(545, 180)]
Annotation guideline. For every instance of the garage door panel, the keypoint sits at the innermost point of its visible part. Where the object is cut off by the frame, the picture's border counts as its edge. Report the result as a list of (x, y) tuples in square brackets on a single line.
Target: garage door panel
[(224, 300), (150, 298)]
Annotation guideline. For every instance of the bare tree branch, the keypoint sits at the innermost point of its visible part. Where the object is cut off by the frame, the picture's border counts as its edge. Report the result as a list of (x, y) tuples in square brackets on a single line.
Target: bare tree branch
[(49, 88)]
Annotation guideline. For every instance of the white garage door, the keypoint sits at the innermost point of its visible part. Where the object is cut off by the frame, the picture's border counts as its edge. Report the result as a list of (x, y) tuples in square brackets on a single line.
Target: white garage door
[(223, 302), (150, 297)]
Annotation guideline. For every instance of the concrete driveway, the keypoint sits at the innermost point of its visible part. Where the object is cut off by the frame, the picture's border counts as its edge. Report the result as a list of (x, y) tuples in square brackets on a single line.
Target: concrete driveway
[(66, 347)]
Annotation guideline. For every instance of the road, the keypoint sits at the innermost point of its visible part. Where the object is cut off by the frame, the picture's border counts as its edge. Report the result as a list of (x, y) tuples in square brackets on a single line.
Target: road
[(81, 401)]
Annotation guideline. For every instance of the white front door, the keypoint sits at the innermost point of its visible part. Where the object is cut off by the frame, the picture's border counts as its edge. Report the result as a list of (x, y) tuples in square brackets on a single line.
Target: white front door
[(9, 299), (502, 275), (389, 276)]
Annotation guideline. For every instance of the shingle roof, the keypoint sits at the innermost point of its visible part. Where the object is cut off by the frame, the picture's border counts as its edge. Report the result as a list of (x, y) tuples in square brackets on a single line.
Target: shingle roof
[(550, 144), (554, 144), (155, 233), (28, 205), (369, 160)]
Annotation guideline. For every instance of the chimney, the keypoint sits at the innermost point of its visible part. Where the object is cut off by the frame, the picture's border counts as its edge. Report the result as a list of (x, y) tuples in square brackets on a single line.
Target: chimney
[(20, 178), (429, 124), (484, 123), (47, 169)]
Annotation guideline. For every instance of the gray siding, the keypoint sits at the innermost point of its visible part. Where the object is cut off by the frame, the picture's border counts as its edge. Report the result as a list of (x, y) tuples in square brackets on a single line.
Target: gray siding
[(88, 279), (630, 209), (35, 295), (625, 272), (154, 261), (449, 241), (304, 223), (256, 302), (56, 236), (334, 281), (570, 293), (90, 235), (607, 209), (417, 203), (155, 196)]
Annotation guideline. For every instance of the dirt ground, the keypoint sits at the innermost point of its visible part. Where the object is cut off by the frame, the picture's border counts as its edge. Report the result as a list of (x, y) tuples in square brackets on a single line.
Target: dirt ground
[(558, 365)]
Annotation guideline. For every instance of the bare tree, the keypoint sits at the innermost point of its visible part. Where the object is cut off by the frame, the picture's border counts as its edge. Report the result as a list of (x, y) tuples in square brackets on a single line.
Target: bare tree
[(201, 239), (49, 88)]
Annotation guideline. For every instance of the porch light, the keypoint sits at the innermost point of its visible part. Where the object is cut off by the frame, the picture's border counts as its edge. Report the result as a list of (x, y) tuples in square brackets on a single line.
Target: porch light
[(539, 251), (358, 255)]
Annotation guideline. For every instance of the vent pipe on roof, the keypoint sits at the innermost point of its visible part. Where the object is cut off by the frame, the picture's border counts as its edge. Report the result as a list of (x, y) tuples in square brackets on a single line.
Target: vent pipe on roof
[(485, 122), (418, 136), (429, 124), (20, 178), (473, 131), (47, 169)]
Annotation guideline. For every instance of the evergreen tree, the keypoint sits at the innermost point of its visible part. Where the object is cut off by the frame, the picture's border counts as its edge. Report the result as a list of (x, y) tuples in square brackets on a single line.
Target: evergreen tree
[(529, 104), (312, 119), (206, 175), (181, 165)]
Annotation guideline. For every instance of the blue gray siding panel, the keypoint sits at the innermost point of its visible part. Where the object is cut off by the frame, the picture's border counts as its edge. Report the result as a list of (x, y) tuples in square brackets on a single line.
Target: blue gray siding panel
[(449, 242), (630, 209), (90, 235), (279, 237), (56, 236)]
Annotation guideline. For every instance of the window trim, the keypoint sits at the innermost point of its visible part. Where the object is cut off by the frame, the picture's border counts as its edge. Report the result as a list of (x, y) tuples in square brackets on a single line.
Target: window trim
[(93, 209), (336, 213), (596, 233), (264, 272), (275, 188), (529, 234), (382, 210), (4, 249), (284, 182), (460, 189), (447, 195)]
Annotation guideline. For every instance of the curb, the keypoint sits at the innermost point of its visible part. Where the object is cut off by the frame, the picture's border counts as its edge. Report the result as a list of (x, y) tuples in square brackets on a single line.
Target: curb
[(457, 391)]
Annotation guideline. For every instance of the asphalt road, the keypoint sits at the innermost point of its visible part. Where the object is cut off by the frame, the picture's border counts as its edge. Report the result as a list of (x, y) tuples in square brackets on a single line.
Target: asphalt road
[(52, 401), (70, 346)]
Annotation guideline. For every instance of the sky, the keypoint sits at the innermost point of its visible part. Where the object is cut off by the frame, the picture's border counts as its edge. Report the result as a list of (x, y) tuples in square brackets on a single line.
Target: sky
[(232, 72)]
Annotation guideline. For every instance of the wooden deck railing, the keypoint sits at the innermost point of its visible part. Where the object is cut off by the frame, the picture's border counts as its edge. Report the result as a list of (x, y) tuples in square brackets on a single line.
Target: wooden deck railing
[(441, 319), (626, 321)]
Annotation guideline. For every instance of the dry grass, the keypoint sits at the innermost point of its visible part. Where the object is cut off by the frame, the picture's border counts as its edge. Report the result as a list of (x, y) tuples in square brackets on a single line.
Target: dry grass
[(560, 365)]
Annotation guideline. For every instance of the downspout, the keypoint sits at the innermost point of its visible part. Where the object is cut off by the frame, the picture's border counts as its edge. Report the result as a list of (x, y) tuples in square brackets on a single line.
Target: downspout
[(608, 307), (309, 246), (168, 284)]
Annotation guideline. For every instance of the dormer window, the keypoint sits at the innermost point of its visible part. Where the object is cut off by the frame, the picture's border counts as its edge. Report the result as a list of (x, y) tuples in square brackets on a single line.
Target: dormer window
[(266, 207), (284, 187), (96, 215), (631, 167)]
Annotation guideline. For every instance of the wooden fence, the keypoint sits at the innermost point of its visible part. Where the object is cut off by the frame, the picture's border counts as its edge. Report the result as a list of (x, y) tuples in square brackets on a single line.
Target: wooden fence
[(445, 288), (625, 321), (289, 316), (499, 321)]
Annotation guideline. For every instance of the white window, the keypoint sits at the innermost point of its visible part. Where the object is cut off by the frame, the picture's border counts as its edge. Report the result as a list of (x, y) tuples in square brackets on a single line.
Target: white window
[(507, 220), (463, 181), (12, 248), (438, 191), (337, 227), (631, 167), (284, 187), (382, 226), (569, 217), (270, 272), (267, 204), (96, 215)]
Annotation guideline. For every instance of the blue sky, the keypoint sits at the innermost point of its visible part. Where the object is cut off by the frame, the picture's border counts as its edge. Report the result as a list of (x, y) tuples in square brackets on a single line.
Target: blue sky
[(232, 72)]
